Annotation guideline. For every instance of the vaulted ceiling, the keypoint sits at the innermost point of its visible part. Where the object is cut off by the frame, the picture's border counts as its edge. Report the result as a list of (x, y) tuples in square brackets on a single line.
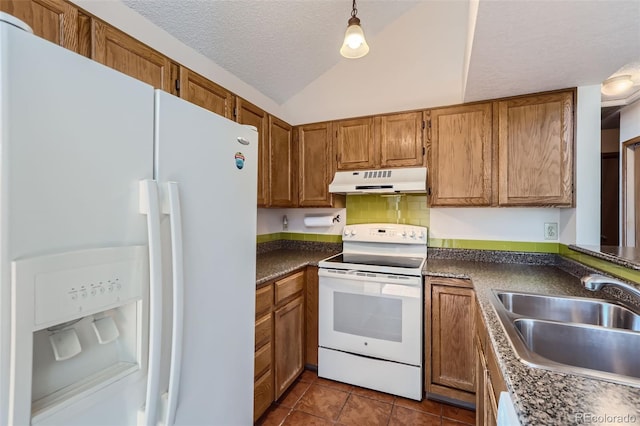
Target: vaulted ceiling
[(423, 53)]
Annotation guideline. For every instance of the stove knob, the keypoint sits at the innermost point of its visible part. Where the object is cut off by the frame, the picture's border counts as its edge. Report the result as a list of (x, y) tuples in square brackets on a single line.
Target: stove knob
[(421, 236), (413, 234), (404, 234), (346, 232), (353, 232)]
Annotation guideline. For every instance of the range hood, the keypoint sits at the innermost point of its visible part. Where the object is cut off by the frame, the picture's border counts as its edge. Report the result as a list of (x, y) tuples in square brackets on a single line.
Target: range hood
[(390, 181)]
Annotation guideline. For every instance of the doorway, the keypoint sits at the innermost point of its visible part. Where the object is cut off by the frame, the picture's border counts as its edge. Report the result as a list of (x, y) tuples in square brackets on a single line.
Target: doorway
[(610, 199), (631, 192)]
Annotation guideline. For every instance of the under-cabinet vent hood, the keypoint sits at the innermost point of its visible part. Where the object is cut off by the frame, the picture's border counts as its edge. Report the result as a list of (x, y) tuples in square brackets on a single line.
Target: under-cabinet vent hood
[(390, 181)]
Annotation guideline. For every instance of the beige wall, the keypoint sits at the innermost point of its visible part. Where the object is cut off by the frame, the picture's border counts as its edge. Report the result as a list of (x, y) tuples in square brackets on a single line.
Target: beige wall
[(610, 140)]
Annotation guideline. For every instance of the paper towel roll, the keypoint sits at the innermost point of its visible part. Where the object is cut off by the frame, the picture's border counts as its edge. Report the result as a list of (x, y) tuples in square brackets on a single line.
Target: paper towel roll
[(318, 221)]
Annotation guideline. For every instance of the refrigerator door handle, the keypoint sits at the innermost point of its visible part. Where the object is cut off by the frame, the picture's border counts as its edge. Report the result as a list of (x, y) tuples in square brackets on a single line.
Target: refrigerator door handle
[(175, 221), (150, 206)]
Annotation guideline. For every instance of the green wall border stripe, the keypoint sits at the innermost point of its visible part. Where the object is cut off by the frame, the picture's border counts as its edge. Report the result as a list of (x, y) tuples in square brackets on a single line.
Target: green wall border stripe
[(524, 246), (299, 236)]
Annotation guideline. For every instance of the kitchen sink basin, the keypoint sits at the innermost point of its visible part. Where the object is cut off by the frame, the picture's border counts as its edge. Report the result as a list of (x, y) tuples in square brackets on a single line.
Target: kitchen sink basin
[(608, 351), (570, 309), (591, 337)]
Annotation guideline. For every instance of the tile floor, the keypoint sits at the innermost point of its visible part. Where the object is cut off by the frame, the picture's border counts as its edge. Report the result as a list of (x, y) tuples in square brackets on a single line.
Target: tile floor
[(313, 401)]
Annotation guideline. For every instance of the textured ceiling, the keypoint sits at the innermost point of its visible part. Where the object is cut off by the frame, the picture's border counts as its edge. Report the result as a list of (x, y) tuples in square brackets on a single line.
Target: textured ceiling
[(288, 49), (531, 46), (276, 46)]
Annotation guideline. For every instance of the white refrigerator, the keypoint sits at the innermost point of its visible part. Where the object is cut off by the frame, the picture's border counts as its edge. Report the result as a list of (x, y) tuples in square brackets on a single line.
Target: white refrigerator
[(127, 248)]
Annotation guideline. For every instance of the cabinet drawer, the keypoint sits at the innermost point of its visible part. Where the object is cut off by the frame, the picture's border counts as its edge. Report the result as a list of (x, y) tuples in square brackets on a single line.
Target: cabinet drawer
[(289, 286), (262, 360), (262, 394), (263, 331), (264, 299)]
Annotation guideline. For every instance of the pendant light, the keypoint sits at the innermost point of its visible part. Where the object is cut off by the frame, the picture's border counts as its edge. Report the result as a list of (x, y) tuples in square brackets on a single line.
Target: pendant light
[(354, 45)]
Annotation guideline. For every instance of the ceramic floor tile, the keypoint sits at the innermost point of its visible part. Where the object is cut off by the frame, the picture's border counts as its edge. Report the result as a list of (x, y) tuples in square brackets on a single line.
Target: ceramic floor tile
[(322, 401), (401, 416), (293, 394), (426, 405), (299, 418), (274, 416), (459, 414), (378, 396), (360, 411), (308, 376), (333, 384), (449, 422)]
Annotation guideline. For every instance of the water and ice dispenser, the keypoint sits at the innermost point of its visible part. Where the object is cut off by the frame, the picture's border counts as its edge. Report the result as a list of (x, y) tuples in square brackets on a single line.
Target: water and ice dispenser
[(79, 326)]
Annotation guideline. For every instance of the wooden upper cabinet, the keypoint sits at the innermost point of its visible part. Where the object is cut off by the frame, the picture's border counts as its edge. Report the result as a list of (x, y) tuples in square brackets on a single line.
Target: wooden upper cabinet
[(205, 93), (459, 150), (401, 140), (355, 144), (283, 189), (314, 165), (254, 116), (535, 144), (115, 49), (53, 20)]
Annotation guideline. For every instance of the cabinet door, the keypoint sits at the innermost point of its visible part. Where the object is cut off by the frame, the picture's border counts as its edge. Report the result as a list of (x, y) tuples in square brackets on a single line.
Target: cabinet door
[(53, 20), (282, 165), (450, 334), (314, 162), (247, 113), (535, 143), (289, 344), (121, 52), (311, 316), (355, 144), (460, 160), (205, 93), (401, 140)]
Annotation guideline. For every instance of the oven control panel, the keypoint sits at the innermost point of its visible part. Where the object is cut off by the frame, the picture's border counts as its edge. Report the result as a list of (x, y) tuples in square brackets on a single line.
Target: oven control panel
[(385, 233)]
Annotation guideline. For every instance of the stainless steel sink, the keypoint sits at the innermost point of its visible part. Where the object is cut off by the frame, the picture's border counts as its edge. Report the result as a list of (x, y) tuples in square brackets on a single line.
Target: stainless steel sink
[(607, 351), (570, 309), (591, 337)]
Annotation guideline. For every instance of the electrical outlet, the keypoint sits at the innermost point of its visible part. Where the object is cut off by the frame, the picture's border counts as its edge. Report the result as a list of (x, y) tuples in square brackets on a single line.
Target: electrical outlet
[(551, 231)]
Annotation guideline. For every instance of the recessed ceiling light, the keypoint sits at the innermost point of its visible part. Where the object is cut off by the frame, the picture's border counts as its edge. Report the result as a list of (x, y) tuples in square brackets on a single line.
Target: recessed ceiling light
[(617, 85)]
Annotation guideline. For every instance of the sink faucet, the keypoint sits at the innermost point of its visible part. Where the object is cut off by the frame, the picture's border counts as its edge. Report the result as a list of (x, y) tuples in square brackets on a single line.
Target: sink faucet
[(595, 282)]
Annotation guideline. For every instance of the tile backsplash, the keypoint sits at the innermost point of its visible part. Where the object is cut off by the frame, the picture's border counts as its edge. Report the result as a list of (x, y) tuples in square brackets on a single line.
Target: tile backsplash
[(403, 208)]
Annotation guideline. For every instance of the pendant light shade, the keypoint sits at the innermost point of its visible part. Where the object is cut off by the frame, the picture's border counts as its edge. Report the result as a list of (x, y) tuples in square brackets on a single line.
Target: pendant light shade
[(354, 45), (617, 85)]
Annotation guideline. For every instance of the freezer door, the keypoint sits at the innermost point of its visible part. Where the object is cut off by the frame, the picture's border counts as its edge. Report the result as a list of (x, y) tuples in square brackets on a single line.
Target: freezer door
[(75, 140), (214, 162)]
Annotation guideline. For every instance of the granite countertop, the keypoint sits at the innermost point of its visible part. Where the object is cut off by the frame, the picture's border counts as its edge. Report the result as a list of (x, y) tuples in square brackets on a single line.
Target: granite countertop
[(278, 263), (541, 397), (629, 257)]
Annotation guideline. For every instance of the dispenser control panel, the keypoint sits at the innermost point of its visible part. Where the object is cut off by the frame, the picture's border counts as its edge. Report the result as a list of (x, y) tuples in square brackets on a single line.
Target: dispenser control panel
[(72, 285)]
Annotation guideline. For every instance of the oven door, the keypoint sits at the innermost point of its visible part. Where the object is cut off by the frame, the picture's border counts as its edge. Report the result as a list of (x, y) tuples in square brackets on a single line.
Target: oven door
[(371, 314)]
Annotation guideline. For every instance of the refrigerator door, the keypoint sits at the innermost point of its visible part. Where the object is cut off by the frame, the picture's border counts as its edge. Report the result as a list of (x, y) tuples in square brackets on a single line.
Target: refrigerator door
[(75, 139), (214, 163)]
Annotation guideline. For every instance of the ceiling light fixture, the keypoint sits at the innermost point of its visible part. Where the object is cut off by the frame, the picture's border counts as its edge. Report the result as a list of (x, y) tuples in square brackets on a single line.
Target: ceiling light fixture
[(354, 46), (617, 85)]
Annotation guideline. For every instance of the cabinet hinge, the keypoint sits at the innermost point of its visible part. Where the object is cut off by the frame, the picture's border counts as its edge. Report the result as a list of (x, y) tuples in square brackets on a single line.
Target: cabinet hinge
[(177, 85), (429, 191), (424, 150), (235, 111), (424, 124)]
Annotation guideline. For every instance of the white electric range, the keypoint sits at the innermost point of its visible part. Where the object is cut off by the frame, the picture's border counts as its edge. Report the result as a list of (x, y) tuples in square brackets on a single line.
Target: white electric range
[(371, 309)]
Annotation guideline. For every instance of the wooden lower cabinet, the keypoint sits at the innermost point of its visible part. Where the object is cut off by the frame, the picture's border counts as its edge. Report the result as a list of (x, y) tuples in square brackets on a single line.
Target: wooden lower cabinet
[(311, 316), (449, 347), (289, 343), (279, 338), (490, 381)]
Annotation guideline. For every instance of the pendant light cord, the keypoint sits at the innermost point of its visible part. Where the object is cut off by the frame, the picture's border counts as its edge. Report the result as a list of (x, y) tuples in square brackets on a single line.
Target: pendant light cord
[(354, 10)]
